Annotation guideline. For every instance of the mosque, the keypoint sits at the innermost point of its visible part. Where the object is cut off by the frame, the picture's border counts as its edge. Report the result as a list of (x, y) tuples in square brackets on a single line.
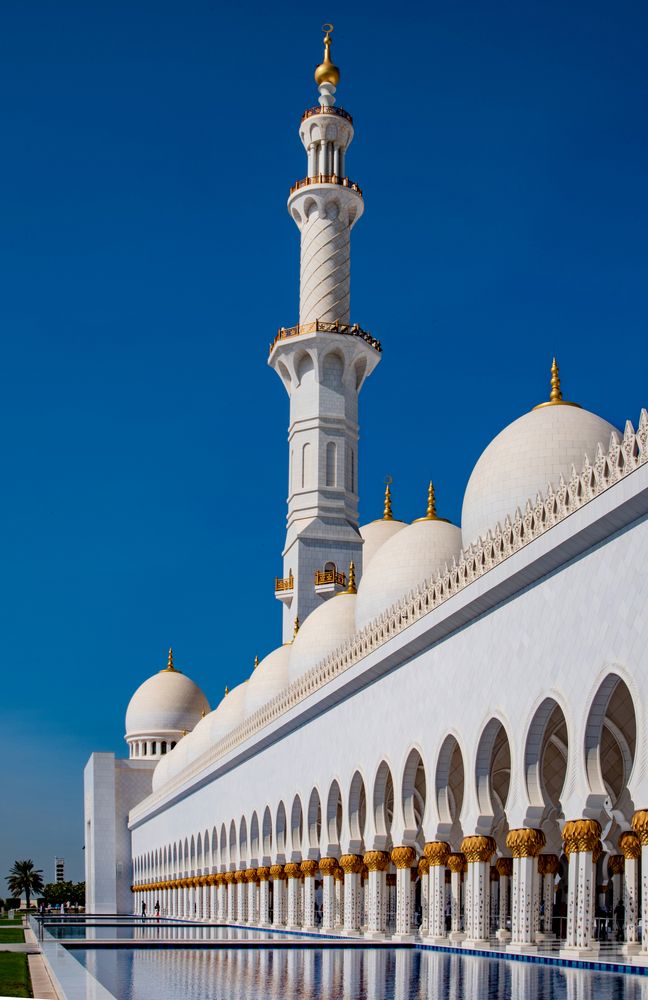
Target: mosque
[(451, 742)]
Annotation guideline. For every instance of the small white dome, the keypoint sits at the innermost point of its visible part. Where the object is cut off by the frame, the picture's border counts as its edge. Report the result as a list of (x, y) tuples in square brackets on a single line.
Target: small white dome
[(165, 705), (176, 760), (268, 679), (324, 630), (408, 559), (229, 714), (375, 534), (535, 450), (161, 772)]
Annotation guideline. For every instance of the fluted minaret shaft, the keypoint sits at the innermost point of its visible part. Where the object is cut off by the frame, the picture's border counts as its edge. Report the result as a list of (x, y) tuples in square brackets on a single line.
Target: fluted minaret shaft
[(325, 292)]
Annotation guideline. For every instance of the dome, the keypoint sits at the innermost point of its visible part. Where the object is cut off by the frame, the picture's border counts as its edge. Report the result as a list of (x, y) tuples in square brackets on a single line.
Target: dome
[(535, 450), (406, 560), (326, 628), (375, 534), (229, 714), (165, 705), (270, 677)]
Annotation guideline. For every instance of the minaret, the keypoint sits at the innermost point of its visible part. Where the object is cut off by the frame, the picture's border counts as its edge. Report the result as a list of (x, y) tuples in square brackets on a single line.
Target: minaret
[(323, 363)]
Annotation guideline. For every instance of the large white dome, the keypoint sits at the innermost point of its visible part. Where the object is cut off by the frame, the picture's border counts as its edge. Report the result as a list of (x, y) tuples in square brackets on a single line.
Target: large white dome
[(536, 449), (402, 563), (326, 628), (375, 534), (269, 678), (165, 705)]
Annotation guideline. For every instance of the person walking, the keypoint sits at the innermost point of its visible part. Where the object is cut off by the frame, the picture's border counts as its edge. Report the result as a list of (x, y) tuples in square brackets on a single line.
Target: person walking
[(143, 910), (157, 908)]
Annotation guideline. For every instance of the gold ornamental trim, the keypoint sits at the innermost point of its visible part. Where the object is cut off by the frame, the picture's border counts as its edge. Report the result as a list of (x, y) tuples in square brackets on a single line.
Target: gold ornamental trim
[(504, 867), (424, 866), (548, 864), (456, 862), (403, 857), (640, 826), (327, 866), (351, 864), (436, 852), (616, 864), (525, 842), (581, 835), (277, 871), (478, 849), (292, 870), (376, 861), (630, 846), (309, 868), (263, 873)]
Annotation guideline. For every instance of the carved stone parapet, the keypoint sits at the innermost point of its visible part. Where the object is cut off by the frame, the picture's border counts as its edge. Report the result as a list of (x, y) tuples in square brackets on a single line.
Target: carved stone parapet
[(403, 857), (309, 868), (376, 861), (456, 862), (478, 848), (616, 864), (292, 870), (630, 845), (548, 864), (424, 866), (640, 825), (436, 852), (581, 835), (351, 864), (504, 867), (277, 871), (327, 866), (263, 873), (525, 842)]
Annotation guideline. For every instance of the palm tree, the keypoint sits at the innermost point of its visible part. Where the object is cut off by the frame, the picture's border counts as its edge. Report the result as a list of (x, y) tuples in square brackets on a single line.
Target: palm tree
[(23, 877)]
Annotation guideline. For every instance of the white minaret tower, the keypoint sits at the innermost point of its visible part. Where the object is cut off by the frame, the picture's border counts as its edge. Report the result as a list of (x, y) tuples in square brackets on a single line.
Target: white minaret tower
[(323, 363)]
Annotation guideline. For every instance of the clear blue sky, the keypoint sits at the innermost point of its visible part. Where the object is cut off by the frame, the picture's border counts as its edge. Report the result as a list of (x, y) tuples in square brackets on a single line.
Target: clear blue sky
[(147, 259)]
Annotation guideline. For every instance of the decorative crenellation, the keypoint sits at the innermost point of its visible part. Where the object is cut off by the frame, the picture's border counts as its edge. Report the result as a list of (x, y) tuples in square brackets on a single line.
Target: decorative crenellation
[(525, 842), (630, 845), (437, 852), (609, 467), (581, 835), (640, 826), (478, 848)]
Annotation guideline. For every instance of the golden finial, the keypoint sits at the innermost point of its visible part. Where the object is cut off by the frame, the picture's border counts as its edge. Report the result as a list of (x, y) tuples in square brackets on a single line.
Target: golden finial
[(184, 732), (169, 665), (203, 713), (352, 589), (296, 628), (256, 662), (387, 510), (326, 72), (226, 690), (555, 396), (431, 512)]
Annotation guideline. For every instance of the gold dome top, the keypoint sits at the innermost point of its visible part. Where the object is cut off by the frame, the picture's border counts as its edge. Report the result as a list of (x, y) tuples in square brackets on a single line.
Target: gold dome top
[(326, 72), (555, 396)]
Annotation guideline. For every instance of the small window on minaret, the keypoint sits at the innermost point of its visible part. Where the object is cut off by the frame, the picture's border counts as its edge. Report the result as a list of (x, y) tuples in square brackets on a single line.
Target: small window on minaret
[(331, 462)]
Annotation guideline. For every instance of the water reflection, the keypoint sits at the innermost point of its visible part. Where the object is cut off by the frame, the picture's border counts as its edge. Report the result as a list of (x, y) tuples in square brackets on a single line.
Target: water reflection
[(344, 974)]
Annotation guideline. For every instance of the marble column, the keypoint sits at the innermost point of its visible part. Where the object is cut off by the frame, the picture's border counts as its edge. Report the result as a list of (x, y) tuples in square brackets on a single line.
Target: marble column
[(221, 898), (252, 896), (241, 897), (278, 877), (457, 865), (630, 847), (615, 873), (581, 840), (505, 870), (230, 879), (403, 858), (436, 853), (327, 867), (377, 863), (424, 873), (364, 881), (293, 874), (263, 874), (640, 827), (351, 865), (494, 899), (338, 876), (524, 844), (548, 866), (212, 897), (309, 870), (478, 852)]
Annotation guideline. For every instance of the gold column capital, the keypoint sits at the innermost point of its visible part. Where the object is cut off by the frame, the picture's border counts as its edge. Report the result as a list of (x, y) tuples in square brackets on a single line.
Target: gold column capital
[(292, 870), (251, 875), (423, 866), (504, 867), (456, 862), (376, 861), (351, 864), (327, 866), (630, 845), (640, 825), (338, 874), (309, 868), (436, 852), (548, 864), (581, 835), (264, 873), (277, 871), (616, 864), (403, 857), (478, 848), (525, 842)]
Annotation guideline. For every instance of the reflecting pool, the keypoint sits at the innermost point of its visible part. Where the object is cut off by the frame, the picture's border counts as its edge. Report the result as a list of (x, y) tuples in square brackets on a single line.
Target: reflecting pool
[(137, 931), (344, 974)]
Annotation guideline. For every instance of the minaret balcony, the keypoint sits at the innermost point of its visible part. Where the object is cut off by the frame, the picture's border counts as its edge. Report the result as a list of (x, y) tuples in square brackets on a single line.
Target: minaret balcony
[(326, 179), (329, 582), (285, 332), (317, 110), (285, 589)]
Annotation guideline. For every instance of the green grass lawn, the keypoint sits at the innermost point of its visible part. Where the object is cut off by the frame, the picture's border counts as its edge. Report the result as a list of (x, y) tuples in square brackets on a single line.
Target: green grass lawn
[(11, 935), (4, 922), (14, 976)]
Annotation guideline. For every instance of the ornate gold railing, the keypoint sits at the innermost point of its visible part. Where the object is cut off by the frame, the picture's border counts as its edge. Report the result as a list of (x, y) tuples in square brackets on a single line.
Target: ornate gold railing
[(287, 584), (340, 112), (326, 179), (319, 327), (329, 576)]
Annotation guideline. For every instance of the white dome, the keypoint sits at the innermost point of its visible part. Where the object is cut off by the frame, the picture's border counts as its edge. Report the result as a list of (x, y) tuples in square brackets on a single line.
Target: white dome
[(176, 760), (268, 679), (375, 534), (324, 630), (401, 564), (519, 463), (229, 714), (165, 705), (160, 774)]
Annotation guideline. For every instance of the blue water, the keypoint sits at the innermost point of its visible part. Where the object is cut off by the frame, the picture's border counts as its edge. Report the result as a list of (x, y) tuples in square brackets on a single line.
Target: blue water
[(135, 930), (344, 974)]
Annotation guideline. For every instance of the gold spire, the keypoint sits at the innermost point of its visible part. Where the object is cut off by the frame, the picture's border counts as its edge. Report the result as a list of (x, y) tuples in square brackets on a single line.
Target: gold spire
[(296, 628), (555, 396), (203, 713), (226, 690), (351, 589), (169, 665), (256, 662), (387, 510), (431, 512), (326, 72)]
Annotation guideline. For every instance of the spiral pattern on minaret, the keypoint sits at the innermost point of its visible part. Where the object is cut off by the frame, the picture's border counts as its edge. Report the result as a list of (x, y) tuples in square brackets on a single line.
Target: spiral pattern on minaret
[(325, 271)]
